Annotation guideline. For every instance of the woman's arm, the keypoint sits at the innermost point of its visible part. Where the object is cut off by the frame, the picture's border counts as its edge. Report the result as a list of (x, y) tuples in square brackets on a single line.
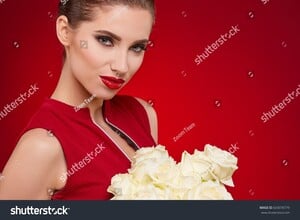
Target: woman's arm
[(35, 166), (152, 118)]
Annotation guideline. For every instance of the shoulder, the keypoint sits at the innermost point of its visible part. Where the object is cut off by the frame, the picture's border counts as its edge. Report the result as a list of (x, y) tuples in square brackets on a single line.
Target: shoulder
[(40, 144), (32, 167), (39, 140), (152, 116), (149, 109)]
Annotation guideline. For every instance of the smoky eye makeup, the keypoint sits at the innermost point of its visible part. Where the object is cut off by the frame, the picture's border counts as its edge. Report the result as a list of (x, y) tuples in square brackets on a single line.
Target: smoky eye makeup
[(138, 48), (109, 41), (105, 40)]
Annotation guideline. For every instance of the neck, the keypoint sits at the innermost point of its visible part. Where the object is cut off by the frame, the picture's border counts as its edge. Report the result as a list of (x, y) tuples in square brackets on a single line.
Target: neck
[(71, 92)]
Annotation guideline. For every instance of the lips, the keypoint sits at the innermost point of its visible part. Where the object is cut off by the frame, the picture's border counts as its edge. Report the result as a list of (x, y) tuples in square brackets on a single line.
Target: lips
[(112, 82)]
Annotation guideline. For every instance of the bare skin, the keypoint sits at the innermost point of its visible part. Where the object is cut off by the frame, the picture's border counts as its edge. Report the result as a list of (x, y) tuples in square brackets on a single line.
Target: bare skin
[(38, 162)]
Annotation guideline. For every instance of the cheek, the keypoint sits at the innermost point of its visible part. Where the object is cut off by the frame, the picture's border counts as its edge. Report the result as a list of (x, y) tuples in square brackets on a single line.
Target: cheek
[(86, 57), (90, 55)]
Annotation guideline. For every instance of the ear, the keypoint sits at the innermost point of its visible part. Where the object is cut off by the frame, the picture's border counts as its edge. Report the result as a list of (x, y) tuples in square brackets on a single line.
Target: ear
[(63, 30)]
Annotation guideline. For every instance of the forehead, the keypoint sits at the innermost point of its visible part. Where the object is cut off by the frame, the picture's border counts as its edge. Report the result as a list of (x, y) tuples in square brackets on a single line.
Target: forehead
[(127, 22)]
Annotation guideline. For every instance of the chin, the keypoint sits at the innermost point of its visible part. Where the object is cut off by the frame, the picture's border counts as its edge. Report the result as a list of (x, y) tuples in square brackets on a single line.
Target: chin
[(107, 95)]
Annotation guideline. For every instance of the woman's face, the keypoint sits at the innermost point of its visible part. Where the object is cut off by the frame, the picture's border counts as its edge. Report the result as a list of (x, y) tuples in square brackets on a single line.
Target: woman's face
[(105, 53)]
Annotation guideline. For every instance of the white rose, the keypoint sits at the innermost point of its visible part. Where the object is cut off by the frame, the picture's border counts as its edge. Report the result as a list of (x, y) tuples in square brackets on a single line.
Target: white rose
[(151, 192), (154, 165), (182, 184), (122, 185), (210, 190), (223, 164), (166, 174), (196, 165), (155, 175), (147, 153)]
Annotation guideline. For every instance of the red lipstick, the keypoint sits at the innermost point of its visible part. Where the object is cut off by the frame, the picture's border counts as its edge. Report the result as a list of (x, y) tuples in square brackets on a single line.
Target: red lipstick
[(112, 82)]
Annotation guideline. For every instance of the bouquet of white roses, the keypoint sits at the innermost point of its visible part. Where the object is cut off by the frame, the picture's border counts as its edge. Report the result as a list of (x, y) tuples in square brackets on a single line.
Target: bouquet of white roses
[(155, 175)]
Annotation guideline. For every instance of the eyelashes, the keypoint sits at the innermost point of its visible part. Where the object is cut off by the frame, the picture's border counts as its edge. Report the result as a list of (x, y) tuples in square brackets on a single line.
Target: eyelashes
[(108, 41), (105, 40), (139, 48)]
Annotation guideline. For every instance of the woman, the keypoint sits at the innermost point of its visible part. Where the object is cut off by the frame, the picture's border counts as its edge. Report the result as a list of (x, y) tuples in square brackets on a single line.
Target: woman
[(84, 134)]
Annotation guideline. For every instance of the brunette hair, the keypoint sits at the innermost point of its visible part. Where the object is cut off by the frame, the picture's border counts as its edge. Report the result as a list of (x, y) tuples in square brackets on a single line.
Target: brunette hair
[(82, 10)]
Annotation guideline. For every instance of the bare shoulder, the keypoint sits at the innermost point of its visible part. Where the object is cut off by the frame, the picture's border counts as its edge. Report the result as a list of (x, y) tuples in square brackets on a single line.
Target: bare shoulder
[(39, 142), (32, 167), (152, 117), (39, 145)]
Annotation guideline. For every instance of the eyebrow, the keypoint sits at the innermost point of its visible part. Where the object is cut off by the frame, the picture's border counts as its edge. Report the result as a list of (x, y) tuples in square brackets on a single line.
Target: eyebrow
[(118, 38)]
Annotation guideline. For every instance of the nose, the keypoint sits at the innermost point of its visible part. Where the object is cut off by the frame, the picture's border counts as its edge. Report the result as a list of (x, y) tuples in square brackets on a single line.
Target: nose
[(120, 63)]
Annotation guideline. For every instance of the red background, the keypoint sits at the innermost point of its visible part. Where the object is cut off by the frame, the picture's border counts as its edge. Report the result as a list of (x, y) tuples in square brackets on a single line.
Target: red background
[(183, 93)]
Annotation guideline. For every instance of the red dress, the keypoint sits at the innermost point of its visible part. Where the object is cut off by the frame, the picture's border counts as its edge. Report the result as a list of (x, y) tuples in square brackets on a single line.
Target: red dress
[(91, 155)]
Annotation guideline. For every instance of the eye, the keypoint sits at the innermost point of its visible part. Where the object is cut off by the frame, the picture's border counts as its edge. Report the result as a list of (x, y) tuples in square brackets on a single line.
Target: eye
[(138, 48), (105, 40)]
